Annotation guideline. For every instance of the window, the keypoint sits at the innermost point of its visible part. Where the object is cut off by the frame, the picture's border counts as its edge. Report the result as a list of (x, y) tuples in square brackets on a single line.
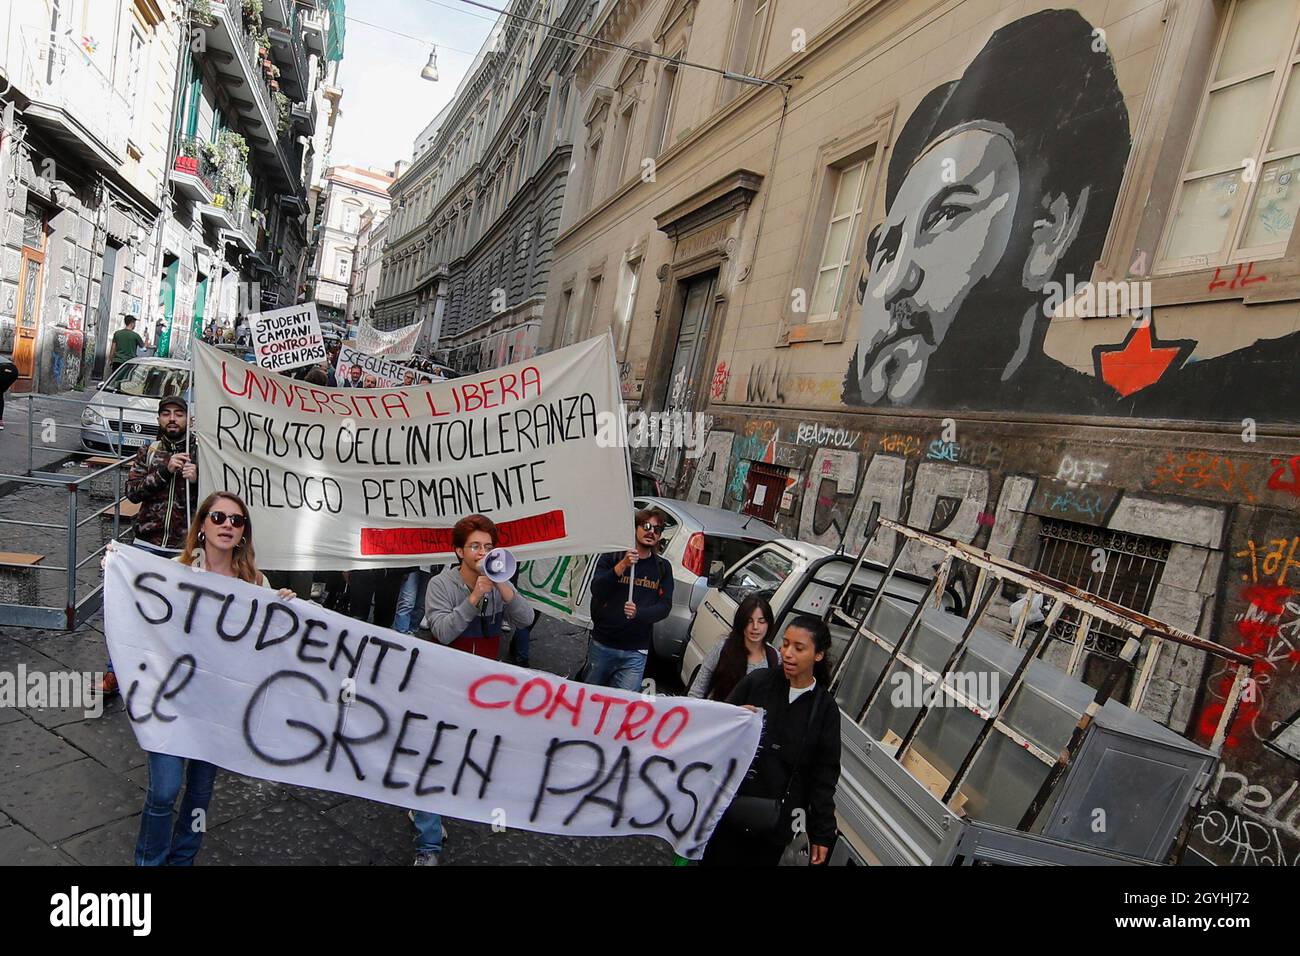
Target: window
[(631, 272), (622, 144), (593, 301), (566, 317), (841, 227), (763, 573), (136, 62), (1131, 568), (1238, 196), (757, 16), (593, 170), (667, 98)]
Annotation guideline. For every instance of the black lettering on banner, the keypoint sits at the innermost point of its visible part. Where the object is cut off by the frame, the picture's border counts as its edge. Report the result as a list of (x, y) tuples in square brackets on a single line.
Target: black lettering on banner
[(306, 641), (271, 608), (197, 591), (665, 803), (248, 625), (384, 648), (340, 739), (410, 668), (262, 690), (485, 773), (717, 797), (431, 760), (399, 750), (341, 648), (140, 586), (552, 750), (695, 803), (618, 772), (184, 665)]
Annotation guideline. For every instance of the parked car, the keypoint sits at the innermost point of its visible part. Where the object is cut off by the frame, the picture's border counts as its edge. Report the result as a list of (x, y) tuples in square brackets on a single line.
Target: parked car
[(131, 396), (697, 539), (795, 577)]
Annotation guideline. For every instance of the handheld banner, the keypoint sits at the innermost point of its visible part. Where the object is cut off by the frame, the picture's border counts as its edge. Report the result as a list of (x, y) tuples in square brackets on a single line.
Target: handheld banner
[(220, 670), (360, 370), (367, 478), (287, 338), (390, 343)]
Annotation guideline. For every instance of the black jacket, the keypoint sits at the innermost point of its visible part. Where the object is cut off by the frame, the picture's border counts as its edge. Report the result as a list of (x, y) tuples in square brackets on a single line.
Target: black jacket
[(785, 726), (652, 594)]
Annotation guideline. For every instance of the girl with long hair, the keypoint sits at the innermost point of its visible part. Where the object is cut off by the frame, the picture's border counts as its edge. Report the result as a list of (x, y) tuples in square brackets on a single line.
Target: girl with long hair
[(743, 651), (219, 540), (797, 766)]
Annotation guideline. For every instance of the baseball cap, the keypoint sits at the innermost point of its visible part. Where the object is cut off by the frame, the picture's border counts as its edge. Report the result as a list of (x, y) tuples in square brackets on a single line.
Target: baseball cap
[(177, 400)]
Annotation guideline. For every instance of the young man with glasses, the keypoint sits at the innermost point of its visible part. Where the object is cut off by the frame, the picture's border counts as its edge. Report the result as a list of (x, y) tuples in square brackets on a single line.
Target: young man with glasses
[(621, 628), (465, 609)]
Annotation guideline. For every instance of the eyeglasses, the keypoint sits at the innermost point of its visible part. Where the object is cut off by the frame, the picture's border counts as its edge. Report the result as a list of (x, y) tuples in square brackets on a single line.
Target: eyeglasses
[(220, 517), (653, 528), (478, 548)]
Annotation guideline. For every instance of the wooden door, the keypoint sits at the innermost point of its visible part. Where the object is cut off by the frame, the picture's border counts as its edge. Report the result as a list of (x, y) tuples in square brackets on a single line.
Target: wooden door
[(28, 327)]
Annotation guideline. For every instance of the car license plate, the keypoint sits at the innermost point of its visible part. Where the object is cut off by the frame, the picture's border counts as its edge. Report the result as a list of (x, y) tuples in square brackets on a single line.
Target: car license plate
[(135, 440)]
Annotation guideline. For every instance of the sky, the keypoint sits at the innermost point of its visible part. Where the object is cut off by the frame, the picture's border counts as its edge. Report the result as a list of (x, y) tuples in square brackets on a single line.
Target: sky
[(385, 102)]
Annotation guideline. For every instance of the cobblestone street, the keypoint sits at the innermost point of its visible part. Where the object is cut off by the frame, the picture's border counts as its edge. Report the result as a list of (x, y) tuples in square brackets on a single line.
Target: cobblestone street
[(71, 788)]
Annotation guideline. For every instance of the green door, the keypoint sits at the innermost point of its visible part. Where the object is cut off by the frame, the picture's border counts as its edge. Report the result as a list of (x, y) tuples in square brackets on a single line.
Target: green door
[(200, 299), (169, 308)]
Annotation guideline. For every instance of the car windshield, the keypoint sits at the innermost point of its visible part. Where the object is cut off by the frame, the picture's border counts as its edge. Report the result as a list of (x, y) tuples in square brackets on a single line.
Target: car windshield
[(149, 381), (764, 573)]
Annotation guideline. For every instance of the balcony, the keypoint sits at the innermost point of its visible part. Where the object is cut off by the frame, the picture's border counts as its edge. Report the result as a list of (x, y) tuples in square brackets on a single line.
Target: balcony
[(287, 46), (304, 118), (235, 54), (193, 172), (241, 233), (71, 99), (313, 29)]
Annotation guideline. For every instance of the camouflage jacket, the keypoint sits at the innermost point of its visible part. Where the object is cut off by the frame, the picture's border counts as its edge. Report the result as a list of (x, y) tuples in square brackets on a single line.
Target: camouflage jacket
[(162, 520)]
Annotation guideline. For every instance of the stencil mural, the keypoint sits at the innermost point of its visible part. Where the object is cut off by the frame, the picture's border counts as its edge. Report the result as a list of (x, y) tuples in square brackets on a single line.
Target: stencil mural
[(999, 193)]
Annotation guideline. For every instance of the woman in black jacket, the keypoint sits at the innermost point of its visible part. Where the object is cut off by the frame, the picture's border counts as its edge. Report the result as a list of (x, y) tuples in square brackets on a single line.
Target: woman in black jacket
[(798, 760)]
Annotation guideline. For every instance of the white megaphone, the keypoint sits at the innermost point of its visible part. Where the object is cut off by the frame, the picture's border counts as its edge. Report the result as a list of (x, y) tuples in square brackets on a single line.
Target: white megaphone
[(499, 565)]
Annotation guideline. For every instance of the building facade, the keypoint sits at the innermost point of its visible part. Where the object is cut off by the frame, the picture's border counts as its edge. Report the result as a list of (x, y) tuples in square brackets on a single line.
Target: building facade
[(159, 152), (83, 146), (347, 194), (367, 267), (475, 215), (1020, 274)]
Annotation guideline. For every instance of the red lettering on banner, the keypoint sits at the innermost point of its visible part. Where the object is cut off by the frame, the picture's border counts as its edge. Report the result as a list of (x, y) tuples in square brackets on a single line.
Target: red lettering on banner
[(473, 690), (574, 707), (606, 703), (663, 722), (513, 533), (541, 682), (631, 722)]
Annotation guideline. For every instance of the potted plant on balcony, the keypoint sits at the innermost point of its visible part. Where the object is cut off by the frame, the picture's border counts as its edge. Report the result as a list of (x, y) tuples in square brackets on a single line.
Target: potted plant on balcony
[(282, 108), (201, 13), (187, 156)]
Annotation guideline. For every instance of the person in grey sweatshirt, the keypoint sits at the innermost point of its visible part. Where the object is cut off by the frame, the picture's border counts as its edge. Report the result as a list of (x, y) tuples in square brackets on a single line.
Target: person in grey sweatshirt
[(464, 609)]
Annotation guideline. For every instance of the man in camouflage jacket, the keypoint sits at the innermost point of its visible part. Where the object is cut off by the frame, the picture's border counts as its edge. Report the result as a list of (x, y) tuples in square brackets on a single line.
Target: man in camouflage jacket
[(158, 479)]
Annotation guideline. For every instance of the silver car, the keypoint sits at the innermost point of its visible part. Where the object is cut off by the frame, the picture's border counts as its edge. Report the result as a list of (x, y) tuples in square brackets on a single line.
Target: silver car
[(128, 401)]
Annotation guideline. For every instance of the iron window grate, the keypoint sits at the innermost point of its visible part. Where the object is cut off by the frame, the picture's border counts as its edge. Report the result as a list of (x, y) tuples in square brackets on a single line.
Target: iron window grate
[(1126, 571)]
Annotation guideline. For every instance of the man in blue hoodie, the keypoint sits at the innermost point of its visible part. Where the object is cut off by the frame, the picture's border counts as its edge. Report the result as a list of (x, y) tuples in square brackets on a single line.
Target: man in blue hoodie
[(622, 627)]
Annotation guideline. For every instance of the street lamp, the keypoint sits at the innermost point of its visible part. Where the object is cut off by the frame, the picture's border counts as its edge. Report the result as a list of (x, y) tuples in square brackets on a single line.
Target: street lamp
[(430, 71)]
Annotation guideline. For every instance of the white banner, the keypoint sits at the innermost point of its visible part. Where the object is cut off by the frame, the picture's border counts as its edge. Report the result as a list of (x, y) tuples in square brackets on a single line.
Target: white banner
[(368, 478), (223, 671), (392, 343), (371, 371), (287, 338), (554, 585)]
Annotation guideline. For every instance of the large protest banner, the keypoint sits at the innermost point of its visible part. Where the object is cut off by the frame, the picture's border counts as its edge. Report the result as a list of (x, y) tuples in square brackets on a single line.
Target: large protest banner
[(287, 338), (368, 478), (554, 586), (374, 371), (220, 670), (390, 343)]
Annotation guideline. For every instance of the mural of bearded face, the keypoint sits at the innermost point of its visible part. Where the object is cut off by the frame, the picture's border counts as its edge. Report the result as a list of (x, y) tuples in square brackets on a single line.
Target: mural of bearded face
[(947, 230), (999, 183)]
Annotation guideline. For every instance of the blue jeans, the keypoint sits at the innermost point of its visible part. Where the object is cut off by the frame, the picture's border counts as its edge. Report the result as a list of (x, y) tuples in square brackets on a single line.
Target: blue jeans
[(518, 650), (429, 827), (410, 602), (611, 667), (159, 844)]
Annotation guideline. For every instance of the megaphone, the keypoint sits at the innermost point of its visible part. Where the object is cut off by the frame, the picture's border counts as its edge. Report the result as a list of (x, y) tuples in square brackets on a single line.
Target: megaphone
[(499, 565)]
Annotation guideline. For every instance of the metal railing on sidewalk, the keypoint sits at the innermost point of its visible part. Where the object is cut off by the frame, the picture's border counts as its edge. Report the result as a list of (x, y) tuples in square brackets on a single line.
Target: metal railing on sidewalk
[(43, 490)]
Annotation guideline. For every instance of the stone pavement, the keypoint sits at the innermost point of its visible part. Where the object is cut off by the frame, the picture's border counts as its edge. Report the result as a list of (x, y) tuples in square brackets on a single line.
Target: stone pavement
[(71, 789)]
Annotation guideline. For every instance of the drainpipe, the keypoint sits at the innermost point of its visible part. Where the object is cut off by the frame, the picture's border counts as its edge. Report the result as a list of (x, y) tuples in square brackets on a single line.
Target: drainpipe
[(165, 205)]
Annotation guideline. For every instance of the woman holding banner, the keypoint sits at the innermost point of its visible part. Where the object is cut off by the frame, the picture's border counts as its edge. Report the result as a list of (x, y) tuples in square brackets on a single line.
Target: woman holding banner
[(219, 540), (790, 786)]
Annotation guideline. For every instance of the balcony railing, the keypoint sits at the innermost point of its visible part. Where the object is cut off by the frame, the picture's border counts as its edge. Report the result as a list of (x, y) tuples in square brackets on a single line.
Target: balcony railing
[(57, 75), (193, 170)]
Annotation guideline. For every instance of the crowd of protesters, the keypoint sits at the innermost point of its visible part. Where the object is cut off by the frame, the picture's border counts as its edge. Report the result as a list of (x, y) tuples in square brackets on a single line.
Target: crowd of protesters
[(793, 775)]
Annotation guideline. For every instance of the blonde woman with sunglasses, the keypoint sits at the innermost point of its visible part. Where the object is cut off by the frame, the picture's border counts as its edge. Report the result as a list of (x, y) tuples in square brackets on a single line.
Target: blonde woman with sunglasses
[(219, 540)]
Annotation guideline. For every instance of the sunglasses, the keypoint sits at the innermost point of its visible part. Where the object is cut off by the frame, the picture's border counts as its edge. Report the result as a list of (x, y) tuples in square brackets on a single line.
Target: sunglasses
[(220, 517), (653, 528)]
